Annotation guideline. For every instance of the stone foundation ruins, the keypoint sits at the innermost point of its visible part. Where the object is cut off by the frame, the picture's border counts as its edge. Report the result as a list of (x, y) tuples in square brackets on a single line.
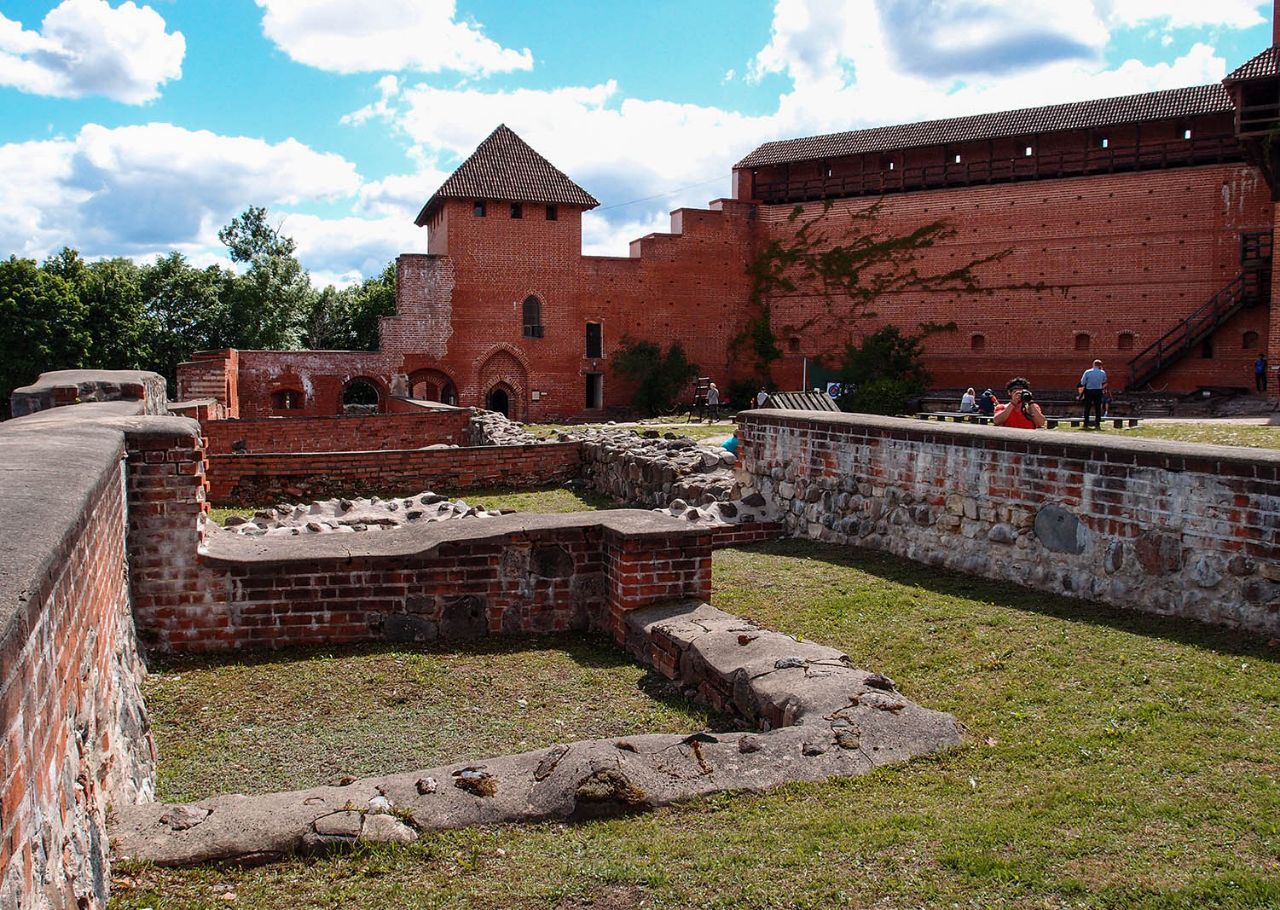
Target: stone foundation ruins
[(124, 558)]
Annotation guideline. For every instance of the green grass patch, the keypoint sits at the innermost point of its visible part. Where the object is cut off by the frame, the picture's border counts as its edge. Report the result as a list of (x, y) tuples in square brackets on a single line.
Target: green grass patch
[(1214, 433), (300, 718), (1114, 760)]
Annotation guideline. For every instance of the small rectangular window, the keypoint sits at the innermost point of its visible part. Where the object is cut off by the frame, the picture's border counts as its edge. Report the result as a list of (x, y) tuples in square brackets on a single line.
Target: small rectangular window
[(1027, 152), (595, 341), (890, 165), (478, 210), (957, 157), (1186, 134), (517, 210), (1106, 143), (552, 213)]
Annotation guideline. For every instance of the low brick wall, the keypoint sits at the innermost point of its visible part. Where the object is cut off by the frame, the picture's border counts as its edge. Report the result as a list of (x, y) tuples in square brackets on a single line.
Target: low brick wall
[(723, 536), (412, 430), (252, 479), (1176, 529), (73, 728), (449, 581)]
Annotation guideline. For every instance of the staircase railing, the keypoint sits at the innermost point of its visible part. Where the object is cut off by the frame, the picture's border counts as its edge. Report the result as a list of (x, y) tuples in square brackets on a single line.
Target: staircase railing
[(1245, 289)]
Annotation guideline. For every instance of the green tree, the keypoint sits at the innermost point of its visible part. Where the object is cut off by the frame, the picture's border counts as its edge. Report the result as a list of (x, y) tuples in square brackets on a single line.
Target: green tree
[(659, 378), (326, 320), (266, 303), (883, 372), (371, 301), (185, 310), (42, 325)]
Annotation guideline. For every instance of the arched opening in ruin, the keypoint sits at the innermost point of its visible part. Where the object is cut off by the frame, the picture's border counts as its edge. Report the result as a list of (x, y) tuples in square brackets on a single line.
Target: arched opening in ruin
[(433, 385), (361, 396), (286, 400), (499, 399)]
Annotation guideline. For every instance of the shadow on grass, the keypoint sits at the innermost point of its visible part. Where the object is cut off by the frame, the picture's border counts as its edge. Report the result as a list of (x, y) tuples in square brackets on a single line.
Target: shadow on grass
[(592, 652), (948, 582)]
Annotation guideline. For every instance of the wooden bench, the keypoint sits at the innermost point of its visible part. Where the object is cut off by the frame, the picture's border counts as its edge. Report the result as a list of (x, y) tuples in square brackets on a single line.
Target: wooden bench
[(956, 416)]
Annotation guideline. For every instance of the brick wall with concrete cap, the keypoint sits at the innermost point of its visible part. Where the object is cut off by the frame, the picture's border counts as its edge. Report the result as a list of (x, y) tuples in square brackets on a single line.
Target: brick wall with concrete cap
[(447, 581), (1168, 528), (64, 387), (73, 728), (415, 429), (265, 478)]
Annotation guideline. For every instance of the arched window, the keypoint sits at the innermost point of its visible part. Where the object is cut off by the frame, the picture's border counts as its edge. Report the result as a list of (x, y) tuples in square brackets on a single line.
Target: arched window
[(359, 396), (532, 317), (978, 343), (1083, 341), (1249, 340), (1124, 341), (286, 400)]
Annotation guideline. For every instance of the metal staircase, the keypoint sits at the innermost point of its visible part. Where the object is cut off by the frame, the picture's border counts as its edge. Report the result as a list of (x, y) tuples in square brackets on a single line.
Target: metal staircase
[(1249, 288)]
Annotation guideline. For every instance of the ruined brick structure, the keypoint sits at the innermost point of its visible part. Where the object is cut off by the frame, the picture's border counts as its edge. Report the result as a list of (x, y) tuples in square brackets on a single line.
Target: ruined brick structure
[(1137, 229)]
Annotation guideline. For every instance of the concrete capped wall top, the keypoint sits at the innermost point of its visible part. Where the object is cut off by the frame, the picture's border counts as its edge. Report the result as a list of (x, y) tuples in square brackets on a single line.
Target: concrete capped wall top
[(412, 540), (1095, 447)]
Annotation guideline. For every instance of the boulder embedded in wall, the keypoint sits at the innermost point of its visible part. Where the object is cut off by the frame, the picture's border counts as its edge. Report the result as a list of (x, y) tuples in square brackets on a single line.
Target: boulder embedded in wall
[(1159, 553), (1002, 533), (1206, 571), (1113, 559), (1059, 530)]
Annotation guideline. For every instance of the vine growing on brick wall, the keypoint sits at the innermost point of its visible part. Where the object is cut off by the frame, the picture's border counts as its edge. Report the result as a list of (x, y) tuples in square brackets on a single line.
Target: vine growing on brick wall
[(846, 267)]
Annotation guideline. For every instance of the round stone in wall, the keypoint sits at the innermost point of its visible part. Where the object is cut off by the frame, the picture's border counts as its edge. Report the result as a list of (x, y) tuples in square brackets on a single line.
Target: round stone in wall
[(1059, 530)]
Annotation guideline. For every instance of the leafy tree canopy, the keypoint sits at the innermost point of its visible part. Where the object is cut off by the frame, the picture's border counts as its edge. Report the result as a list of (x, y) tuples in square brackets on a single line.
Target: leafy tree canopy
[(659, 378)]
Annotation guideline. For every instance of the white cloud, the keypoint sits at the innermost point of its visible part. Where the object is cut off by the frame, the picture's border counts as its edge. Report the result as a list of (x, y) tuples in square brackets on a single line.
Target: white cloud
[(600, 237), (140, 189), (353, 36), (1185, 13), (341, 251), (87, 47)]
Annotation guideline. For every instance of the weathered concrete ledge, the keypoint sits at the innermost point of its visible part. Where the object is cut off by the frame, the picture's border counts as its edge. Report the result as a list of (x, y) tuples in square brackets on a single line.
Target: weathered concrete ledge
[(64, 387), (825, 719)]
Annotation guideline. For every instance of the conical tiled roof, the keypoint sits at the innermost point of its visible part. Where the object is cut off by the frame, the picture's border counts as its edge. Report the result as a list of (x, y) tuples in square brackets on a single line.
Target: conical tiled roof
[(505, 168)]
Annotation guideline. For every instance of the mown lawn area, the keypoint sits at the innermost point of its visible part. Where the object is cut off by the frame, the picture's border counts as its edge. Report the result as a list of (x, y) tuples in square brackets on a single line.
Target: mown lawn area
[(1215, 432), (1113, 760)]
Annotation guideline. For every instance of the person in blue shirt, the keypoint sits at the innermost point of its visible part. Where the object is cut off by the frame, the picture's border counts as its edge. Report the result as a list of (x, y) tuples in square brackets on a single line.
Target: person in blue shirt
[(731, 444), (1094, 383), (1260, 373)]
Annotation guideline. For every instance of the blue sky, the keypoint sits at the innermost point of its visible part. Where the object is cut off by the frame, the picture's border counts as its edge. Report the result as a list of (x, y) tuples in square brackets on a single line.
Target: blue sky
[(133, 128)]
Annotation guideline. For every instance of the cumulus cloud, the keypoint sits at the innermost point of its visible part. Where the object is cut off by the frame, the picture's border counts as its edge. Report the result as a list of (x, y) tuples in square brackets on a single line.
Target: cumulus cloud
[(342, 251), (87, 47), (140, 189), (1184, 13), (353, 36)]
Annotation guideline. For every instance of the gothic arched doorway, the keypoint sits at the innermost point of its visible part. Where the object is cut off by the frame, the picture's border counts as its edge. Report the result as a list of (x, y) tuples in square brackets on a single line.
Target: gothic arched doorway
[(499, 400)]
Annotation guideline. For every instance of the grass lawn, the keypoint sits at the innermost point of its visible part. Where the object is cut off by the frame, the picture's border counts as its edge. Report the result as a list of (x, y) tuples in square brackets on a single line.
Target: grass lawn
[(1215, 432), (1114, 760), (306, 717)]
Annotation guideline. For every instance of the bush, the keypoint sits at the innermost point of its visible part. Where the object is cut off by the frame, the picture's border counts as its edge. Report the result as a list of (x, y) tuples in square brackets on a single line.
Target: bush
[(659, 378), (883, 372)]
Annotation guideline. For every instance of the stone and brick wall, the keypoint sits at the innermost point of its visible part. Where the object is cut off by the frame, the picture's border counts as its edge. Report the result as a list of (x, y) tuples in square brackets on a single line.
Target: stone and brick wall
[(411, 430), (256, 479), (1168, 528), (73, 728)]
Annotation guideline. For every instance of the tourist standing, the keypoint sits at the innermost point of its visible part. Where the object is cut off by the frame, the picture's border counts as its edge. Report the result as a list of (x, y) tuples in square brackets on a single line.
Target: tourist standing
[(1260, 373), (1094, 383), (713, 402), (762, 396)]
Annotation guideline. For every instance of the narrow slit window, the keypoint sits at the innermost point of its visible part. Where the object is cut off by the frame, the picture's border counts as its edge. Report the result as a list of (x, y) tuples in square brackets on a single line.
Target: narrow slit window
[(552, 213), (1186, 134), (1027, 152), (517, 210), (478, 208), (1105, 143)]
